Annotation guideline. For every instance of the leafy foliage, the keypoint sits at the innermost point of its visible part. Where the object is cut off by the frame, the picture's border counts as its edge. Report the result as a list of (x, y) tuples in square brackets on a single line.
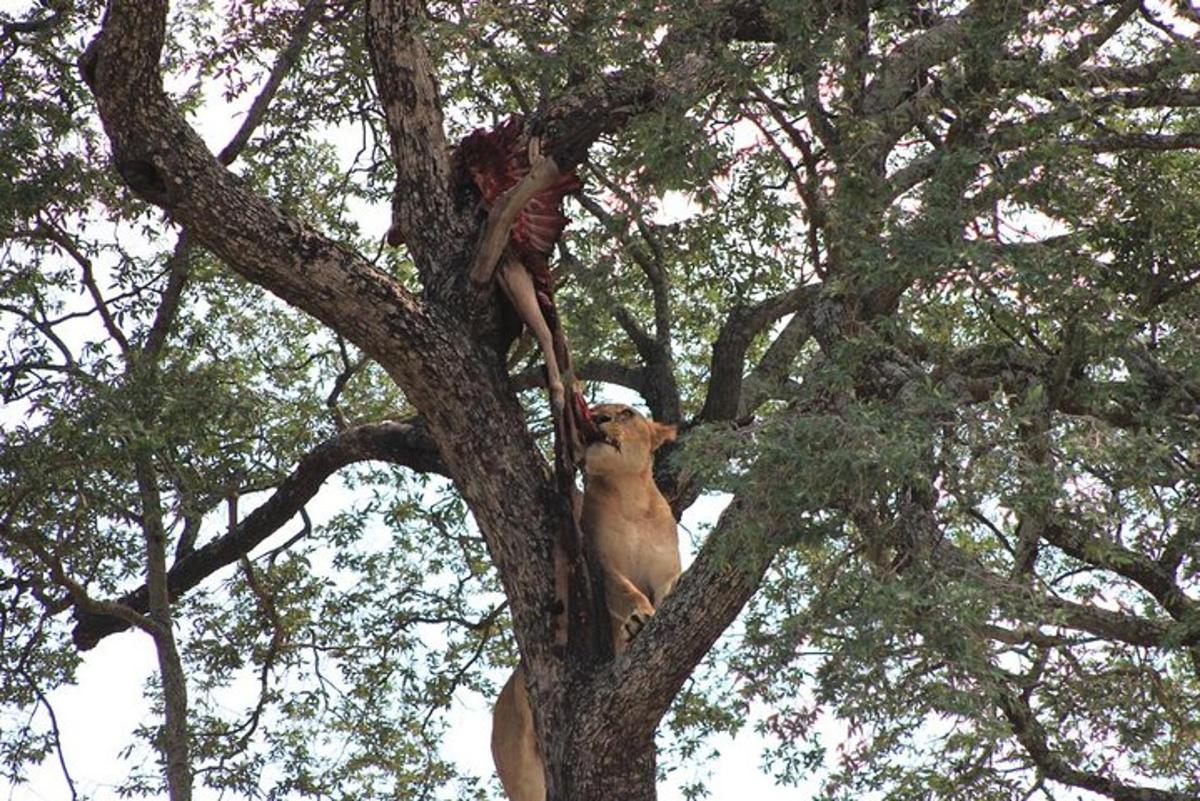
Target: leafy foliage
[(973, 442)]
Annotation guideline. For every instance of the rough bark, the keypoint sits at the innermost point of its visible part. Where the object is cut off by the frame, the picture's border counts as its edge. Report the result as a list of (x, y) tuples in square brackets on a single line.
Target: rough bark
[(423, 212), (729, 351), (637, 688)]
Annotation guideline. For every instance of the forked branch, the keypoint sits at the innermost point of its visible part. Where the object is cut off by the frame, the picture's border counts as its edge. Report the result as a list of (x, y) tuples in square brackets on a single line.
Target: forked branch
[(404, 443)]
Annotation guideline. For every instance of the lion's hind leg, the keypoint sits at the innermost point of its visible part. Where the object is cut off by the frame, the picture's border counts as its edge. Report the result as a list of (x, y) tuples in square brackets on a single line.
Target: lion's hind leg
[(514, 743)]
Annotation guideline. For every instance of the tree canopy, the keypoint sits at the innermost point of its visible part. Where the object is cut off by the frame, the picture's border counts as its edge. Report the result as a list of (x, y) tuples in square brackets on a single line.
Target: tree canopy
[(917, 281)]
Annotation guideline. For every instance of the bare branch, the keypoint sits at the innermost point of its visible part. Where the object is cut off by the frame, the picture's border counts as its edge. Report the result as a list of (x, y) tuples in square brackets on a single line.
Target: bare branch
[(164, 316), (250, 234), (808, 186), (283, 64), (955, 563), (46, 329), (399, 443), (1089, 44), (1153, 18), (349, 370), (58, 237), (1184, 9), (56, 733)]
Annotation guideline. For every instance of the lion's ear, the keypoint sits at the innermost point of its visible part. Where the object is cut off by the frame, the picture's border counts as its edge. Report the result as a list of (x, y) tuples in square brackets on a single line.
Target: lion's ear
[(660, 433)]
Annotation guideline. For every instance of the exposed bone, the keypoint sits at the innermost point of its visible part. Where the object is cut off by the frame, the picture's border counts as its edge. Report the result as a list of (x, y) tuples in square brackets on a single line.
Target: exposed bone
[(504, 213), (518, 286)]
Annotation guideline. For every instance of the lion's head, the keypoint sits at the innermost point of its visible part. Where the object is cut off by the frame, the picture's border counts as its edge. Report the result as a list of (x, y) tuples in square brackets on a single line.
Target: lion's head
[(629, 440)]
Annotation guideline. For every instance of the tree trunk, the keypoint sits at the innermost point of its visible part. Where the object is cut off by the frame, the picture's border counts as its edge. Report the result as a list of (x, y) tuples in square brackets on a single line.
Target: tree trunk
[(594, 760)]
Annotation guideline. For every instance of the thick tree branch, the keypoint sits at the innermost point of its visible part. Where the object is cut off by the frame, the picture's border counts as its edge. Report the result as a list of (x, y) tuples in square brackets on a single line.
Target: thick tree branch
[(769, 378), (406, 444), (1114, 143), (1110, 625), (164, 317), (1090, 44), (164, 161), (955, 563), (1032, 736), (1180, 61), (638, 687), (658, 384), (175, 738), (900, 69), (423, 212), (1143, 571), (729, 351)]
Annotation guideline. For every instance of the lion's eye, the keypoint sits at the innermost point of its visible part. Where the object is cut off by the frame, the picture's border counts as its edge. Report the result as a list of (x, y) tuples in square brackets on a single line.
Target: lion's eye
[(626, 414)]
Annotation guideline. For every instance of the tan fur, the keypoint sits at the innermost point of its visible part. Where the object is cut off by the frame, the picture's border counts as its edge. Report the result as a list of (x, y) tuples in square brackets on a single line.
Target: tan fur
[(514, 744), (629, 523)]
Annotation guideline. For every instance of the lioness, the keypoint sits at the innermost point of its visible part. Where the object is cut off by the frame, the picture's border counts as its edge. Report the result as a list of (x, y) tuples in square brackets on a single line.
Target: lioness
[(629, 523)]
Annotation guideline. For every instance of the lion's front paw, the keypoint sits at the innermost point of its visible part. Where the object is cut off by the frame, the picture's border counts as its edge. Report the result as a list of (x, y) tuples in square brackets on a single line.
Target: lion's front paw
[(636, 621)]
